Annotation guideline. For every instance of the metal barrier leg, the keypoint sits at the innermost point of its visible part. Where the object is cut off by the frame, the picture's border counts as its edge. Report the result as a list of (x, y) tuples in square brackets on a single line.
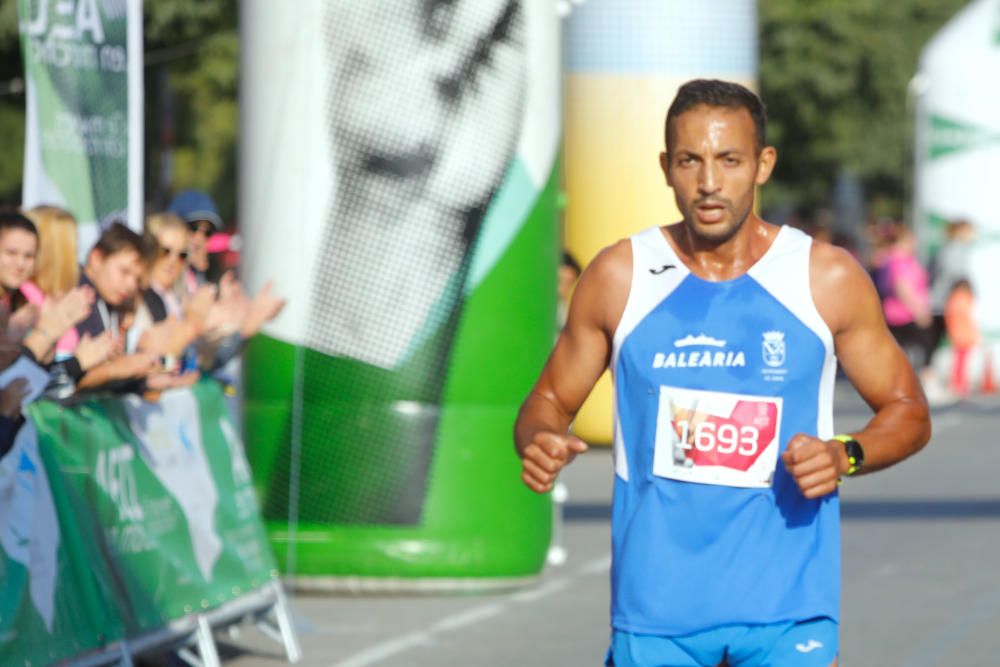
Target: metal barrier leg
[(126, 659), (206, 644), (284, 634)]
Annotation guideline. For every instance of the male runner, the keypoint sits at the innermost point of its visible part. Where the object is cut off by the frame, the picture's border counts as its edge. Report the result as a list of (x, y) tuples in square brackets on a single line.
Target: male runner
[(723, 333)]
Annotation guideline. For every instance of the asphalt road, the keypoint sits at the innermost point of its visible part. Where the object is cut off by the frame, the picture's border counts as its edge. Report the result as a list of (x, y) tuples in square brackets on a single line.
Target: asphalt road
[(921, 553)]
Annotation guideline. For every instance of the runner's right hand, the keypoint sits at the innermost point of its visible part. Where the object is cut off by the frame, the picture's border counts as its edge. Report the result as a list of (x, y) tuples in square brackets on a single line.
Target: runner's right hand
[(545, 456)]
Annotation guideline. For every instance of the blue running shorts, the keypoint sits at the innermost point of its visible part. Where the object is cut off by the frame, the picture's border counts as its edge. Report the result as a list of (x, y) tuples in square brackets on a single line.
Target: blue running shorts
[(811, 643)]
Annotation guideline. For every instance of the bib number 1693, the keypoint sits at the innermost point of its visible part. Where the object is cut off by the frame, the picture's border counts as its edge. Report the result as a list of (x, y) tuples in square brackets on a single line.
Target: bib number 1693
[(707, 436), (714, 437)]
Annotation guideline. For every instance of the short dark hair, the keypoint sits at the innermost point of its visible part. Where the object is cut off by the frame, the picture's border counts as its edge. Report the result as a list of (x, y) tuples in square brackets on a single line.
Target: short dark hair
[(119, 238), (716, 93), (569, 261), (14, 220)]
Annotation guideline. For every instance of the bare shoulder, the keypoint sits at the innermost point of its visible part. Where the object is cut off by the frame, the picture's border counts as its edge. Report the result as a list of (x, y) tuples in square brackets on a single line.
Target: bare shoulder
[(603, 290), (841, 287), (613, 263), (833, 264)]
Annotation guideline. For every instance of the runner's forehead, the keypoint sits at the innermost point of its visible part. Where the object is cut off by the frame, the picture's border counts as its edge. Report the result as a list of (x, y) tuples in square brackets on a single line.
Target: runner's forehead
[(717, 129)]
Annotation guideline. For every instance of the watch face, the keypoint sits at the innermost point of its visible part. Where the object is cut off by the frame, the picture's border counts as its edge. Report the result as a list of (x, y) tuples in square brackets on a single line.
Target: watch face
[(855, 454)]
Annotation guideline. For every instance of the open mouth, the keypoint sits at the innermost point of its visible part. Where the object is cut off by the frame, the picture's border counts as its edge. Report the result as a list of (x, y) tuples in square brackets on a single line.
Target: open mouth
[(710, 212)]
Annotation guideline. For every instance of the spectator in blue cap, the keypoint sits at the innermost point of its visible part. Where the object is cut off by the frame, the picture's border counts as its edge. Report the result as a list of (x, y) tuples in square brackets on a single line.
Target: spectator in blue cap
[(201, 215)]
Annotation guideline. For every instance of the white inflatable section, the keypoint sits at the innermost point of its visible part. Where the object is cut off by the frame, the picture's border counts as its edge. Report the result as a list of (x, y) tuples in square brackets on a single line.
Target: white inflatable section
[(957, 92), (286, 180)]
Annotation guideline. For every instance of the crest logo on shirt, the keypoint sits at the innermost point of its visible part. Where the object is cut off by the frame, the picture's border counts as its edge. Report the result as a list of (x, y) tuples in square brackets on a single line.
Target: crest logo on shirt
[(773, 348)]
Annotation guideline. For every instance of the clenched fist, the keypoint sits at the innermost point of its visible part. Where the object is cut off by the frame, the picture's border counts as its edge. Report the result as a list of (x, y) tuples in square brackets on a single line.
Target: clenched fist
[(545, 456), (815, 465)]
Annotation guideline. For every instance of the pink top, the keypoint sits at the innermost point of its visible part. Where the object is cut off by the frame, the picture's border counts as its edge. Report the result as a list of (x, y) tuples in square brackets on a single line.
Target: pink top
[(903, 268), (66, 345)]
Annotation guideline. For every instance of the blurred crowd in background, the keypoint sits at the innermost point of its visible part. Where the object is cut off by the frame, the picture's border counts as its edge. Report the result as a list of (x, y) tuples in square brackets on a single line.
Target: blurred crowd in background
[(929, 305), (144, 312)]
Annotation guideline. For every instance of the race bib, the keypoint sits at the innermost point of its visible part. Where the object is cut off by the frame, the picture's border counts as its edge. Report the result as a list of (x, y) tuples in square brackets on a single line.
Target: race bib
[(712, 437)]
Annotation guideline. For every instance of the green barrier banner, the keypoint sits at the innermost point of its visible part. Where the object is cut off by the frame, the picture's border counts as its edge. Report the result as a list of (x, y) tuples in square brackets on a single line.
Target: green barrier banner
[(168, 490), (83, 85), (57, 599)]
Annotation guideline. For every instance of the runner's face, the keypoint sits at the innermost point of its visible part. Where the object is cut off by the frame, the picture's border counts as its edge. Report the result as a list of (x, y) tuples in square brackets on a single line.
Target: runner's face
[(17, 257), (713, 168)]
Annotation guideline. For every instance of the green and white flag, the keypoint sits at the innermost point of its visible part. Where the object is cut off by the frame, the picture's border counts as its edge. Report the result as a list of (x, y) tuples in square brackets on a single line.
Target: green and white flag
[(83, 138)]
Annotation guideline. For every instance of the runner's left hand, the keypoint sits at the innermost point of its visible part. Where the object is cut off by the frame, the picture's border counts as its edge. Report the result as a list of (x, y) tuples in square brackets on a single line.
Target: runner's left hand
[(815, 465)]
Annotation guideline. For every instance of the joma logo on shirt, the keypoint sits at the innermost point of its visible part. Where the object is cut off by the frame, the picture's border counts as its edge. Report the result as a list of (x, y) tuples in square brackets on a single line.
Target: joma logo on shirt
[(699, 359)]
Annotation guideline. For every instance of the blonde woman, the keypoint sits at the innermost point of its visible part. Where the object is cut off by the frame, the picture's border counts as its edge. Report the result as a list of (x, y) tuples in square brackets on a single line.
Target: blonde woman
[(57, 269), (164, 293)]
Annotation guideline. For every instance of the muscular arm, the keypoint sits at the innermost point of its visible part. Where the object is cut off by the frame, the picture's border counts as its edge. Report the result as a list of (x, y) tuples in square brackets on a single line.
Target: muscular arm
[(580, 356), (875, 365), (871, 359)]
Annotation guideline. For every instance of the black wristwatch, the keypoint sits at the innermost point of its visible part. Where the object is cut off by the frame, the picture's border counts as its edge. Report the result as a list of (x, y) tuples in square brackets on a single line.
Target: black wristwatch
[(855, 453)]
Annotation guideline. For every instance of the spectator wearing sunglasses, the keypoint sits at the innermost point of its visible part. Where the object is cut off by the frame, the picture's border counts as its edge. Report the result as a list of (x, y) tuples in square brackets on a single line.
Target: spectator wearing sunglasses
[(164, 290), (161, 324), (199, 212)]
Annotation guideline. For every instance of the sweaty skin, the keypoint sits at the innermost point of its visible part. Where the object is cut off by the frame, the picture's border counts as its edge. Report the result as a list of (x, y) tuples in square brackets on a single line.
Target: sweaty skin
[(714, 168)]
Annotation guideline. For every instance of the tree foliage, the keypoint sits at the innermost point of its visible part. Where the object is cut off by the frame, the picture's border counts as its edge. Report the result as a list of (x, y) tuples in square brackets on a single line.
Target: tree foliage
[(834, 75), (193, 46)]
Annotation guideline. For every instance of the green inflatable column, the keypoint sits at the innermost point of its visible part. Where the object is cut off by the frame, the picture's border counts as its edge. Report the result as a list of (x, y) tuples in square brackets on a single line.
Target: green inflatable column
[(398, 179)]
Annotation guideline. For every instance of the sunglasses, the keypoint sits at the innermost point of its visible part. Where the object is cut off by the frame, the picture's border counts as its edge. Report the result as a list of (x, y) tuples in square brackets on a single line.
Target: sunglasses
[(202, 226), (166, 252)]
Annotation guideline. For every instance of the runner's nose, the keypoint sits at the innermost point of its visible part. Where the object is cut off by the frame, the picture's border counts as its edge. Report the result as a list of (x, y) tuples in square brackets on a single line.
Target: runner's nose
[(709, 179)]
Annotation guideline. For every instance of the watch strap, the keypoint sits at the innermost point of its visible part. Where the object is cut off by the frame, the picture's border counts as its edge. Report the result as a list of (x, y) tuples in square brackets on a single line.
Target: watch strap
[(855, 453)]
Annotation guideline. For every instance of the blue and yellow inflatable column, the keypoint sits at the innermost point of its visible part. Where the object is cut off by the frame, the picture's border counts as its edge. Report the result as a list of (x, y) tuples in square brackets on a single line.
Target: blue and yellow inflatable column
[(623, 67)]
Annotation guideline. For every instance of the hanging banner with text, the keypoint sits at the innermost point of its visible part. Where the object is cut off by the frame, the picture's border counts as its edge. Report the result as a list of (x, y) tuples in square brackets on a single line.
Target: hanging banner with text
[(84, 125)]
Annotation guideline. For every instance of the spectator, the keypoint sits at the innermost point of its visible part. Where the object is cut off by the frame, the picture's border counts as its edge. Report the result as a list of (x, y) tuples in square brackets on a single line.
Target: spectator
[(114, 267), (57, 270), (906, 300), (199, 212), (951, 265), (218, 320), (18, 247), (164, 294), (36, 328), (166, 291), (963, 333)]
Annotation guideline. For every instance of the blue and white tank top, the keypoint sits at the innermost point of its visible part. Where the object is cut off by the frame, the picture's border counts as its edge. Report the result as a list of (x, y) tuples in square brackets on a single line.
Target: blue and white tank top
[(712, 379)]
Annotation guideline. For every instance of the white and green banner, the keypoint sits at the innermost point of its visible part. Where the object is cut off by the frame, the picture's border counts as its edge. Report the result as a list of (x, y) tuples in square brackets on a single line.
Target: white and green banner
[(120, 517), (84, 126), (958, 144)]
